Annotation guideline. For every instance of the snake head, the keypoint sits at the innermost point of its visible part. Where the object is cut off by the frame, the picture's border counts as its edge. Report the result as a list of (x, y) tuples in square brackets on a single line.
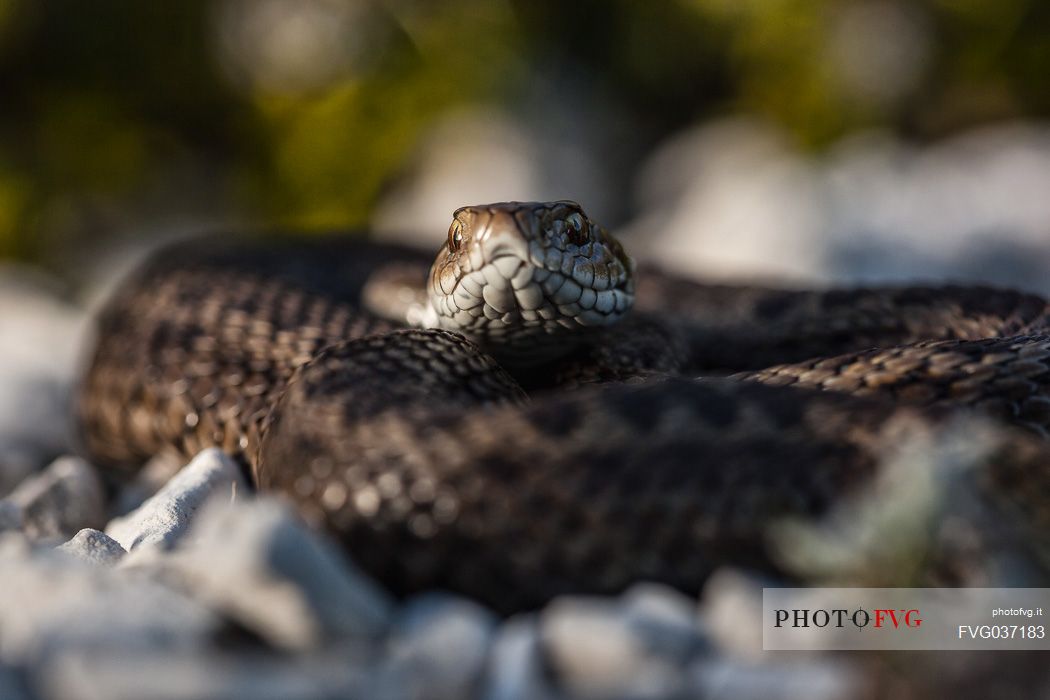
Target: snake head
[(526, 279)]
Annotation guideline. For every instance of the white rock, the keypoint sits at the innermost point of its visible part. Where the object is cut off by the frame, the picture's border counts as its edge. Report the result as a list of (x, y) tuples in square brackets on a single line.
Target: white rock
[(163, 519), (182, 674), (826, 679), (594, 650), (66, 497), (734, 199), (438, 648), (52, 602), (515, 668), (258, 563), (10, 516), (18, 462), (11, 686), (40, 337), (732, 609), (151, 478), (94, 546), (666, 620)]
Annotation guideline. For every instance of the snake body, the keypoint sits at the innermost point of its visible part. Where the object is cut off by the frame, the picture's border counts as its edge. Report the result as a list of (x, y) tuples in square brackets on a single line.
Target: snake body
[(532, 442)]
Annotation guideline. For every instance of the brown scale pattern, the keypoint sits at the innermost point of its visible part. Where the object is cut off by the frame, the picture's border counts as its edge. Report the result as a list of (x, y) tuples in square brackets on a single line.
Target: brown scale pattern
[(735, 328), (1007, 378), (183, 362), (460, 487), (585, 491), (424, 457)]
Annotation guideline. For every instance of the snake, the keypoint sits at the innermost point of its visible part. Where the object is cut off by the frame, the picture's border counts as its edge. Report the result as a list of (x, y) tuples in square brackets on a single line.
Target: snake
[(533, 413)]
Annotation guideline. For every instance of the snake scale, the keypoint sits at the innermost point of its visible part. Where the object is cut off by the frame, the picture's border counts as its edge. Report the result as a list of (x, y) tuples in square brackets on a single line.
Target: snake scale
[(536, 435)]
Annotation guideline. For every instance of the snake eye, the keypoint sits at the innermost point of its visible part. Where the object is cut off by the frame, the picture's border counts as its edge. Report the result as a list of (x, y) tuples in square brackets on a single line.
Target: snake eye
[(455, 236), (575, 229)]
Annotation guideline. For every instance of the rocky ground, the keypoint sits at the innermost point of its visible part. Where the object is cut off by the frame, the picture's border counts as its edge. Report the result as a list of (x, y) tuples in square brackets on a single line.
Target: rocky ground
[(185, 584)]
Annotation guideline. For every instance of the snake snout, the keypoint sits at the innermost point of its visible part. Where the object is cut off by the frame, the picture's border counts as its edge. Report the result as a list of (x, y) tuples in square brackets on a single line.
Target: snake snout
[(523, 279)]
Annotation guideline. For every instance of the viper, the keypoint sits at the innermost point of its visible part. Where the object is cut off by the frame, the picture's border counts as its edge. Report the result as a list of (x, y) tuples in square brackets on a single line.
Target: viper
[(536, 414)]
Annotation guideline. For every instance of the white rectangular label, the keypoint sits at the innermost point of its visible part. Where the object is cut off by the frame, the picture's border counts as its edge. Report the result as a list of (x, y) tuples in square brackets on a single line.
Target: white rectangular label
[(905, 618)]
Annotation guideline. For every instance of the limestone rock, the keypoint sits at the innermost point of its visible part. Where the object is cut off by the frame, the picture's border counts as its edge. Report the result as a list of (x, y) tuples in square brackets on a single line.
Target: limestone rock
[(40, 337), (63, 499), (438, 648), (190, 674), (10, 516), (594, 650), (516, 666), (52, 602), (258, 563), (165, 517), (94, 546), (822, 679)]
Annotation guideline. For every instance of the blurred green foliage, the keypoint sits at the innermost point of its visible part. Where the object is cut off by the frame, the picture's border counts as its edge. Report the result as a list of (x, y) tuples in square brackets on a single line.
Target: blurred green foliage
[(116, 112)]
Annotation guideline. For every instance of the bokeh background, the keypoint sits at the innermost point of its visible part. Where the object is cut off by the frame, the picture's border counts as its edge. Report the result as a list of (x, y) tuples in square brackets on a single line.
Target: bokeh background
[(799, 140)]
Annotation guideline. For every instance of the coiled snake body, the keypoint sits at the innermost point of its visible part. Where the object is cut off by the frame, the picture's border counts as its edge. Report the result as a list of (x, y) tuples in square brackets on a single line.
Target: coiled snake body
[(539, 439)]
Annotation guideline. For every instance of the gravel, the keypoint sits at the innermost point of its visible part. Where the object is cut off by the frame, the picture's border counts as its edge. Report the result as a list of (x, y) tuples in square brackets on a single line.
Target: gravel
[(40, 338), (515, 665), (10, 516), (595, 649), (52, 602), (184, 674), (11, 685), (200, 594), (437, 648), (59, 501), (93, 546), (150, 479), (184, 584), (257, 564), (164, 518)]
